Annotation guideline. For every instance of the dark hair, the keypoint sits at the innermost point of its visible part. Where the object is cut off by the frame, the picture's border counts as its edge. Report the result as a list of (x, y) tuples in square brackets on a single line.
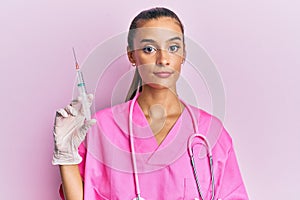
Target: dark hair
[(153, 13)]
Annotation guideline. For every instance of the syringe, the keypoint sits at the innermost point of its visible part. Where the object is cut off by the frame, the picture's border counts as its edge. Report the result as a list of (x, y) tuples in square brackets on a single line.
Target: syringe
[(82, 91)]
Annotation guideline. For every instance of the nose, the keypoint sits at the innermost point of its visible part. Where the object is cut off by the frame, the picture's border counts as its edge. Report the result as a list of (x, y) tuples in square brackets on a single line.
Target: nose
[(163, 58)]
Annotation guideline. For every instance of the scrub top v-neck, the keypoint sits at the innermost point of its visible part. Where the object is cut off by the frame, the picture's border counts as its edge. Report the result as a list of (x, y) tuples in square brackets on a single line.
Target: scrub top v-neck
[(152, 145), (164, 170)]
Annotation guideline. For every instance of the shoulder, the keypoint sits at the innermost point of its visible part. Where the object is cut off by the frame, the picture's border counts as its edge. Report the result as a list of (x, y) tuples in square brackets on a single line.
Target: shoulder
[(205, 119), (213, 128), (111, 126), (113, 117), (108, 112)]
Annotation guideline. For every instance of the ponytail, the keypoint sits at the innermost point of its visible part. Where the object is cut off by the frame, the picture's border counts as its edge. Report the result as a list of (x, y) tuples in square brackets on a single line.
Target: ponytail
[(136, 84)]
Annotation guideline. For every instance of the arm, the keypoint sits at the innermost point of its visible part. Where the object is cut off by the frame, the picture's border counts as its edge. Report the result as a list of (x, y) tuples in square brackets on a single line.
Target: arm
[(70, 129), (71, 182)]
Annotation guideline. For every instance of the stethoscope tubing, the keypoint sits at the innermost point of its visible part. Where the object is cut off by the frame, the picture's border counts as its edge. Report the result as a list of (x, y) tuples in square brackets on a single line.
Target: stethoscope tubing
[(190, 151), (191, 154), (133, 157)]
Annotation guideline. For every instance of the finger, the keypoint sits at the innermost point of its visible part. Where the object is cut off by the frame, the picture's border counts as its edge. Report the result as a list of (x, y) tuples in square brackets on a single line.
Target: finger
[(74, 102), (62, 112), (90, 97), (71, 110), (88, 124)]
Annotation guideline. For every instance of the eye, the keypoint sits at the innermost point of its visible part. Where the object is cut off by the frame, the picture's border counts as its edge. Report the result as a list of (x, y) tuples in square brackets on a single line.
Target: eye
[(174, 48), (149, 49)]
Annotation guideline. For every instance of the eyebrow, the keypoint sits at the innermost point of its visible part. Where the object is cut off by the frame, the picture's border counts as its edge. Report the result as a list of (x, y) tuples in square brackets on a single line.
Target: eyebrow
[(153, 41)]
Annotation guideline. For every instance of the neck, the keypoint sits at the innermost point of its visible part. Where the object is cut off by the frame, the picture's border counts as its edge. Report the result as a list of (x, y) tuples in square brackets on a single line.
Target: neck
[(164, 98)]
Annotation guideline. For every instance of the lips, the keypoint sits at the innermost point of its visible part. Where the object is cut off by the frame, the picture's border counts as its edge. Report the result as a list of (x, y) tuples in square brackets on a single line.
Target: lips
[(163, 74)]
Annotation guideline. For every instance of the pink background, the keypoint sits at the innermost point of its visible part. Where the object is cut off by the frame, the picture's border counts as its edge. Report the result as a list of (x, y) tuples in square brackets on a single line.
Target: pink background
[(253, 44)]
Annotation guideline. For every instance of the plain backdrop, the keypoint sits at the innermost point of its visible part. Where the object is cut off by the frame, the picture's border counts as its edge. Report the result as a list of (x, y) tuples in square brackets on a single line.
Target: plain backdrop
[(254, 45)]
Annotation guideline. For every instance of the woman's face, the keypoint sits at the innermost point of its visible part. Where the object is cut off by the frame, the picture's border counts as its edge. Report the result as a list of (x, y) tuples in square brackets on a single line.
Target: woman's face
[(159, 52)]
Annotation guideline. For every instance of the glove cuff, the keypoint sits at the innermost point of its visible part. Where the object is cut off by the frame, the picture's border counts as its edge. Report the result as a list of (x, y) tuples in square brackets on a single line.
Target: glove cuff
[(62, 159)]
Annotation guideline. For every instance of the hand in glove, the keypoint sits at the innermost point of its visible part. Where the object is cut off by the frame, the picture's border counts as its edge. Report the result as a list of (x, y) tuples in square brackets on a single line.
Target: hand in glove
[(70, 129)]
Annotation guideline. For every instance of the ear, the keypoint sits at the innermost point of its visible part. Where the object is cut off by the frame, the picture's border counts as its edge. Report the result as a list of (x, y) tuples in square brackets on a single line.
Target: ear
[(183, 56), (130, 55)]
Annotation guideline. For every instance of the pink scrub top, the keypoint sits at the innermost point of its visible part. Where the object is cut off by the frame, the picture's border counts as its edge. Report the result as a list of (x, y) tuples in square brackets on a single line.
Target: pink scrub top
[(164, 170)]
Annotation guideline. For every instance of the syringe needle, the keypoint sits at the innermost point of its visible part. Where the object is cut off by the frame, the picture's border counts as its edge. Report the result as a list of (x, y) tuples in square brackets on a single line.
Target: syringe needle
[(82, 90), (76, 63)]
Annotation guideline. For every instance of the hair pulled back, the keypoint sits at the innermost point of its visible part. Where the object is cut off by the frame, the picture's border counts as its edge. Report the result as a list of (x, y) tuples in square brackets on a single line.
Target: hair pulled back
[(137, 22)]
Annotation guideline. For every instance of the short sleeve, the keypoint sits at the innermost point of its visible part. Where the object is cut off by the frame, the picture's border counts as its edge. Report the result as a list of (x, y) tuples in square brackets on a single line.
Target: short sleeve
[(232, 187)]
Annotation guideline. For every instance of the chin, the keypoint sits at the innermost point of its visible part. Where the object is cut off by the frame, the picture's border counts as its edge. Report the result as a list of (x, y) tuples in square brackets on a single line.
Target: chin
[(159, 86)]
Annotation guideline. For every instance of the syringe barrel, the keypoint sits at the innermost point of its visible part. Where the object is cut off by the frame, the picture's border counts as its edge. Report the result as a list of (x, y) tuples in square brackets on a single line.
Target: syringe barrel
[(83, 94)]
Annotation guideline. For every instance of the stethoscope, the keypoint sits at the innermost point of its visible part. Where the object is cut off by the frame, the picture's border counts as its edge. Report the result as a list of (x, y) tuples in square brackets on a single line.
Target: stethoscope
[(190, 151)]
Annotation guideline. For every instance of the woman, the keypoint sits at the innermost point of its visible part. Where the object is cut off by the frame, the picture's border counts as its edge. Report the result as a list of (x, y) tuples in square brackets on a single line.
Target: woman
[(145, 155)]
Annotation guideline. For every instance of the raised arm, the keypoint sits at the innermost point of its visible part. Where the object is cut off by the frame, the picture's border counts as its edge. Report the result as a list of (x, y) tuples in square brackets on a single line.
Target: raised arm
[(70, 129)]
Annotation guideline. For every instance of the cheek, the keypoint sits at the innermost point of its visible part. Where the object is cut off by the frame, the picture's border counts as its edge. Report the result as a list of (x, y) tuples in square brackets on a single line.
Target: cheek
[(145, 70), (177, 63), (146, 59)]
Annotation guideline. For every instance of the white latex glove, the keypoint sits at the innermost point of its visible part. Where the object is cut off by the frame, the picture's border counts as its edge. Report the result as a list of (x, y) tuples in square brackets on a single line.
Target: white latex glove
[(70, 129)]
